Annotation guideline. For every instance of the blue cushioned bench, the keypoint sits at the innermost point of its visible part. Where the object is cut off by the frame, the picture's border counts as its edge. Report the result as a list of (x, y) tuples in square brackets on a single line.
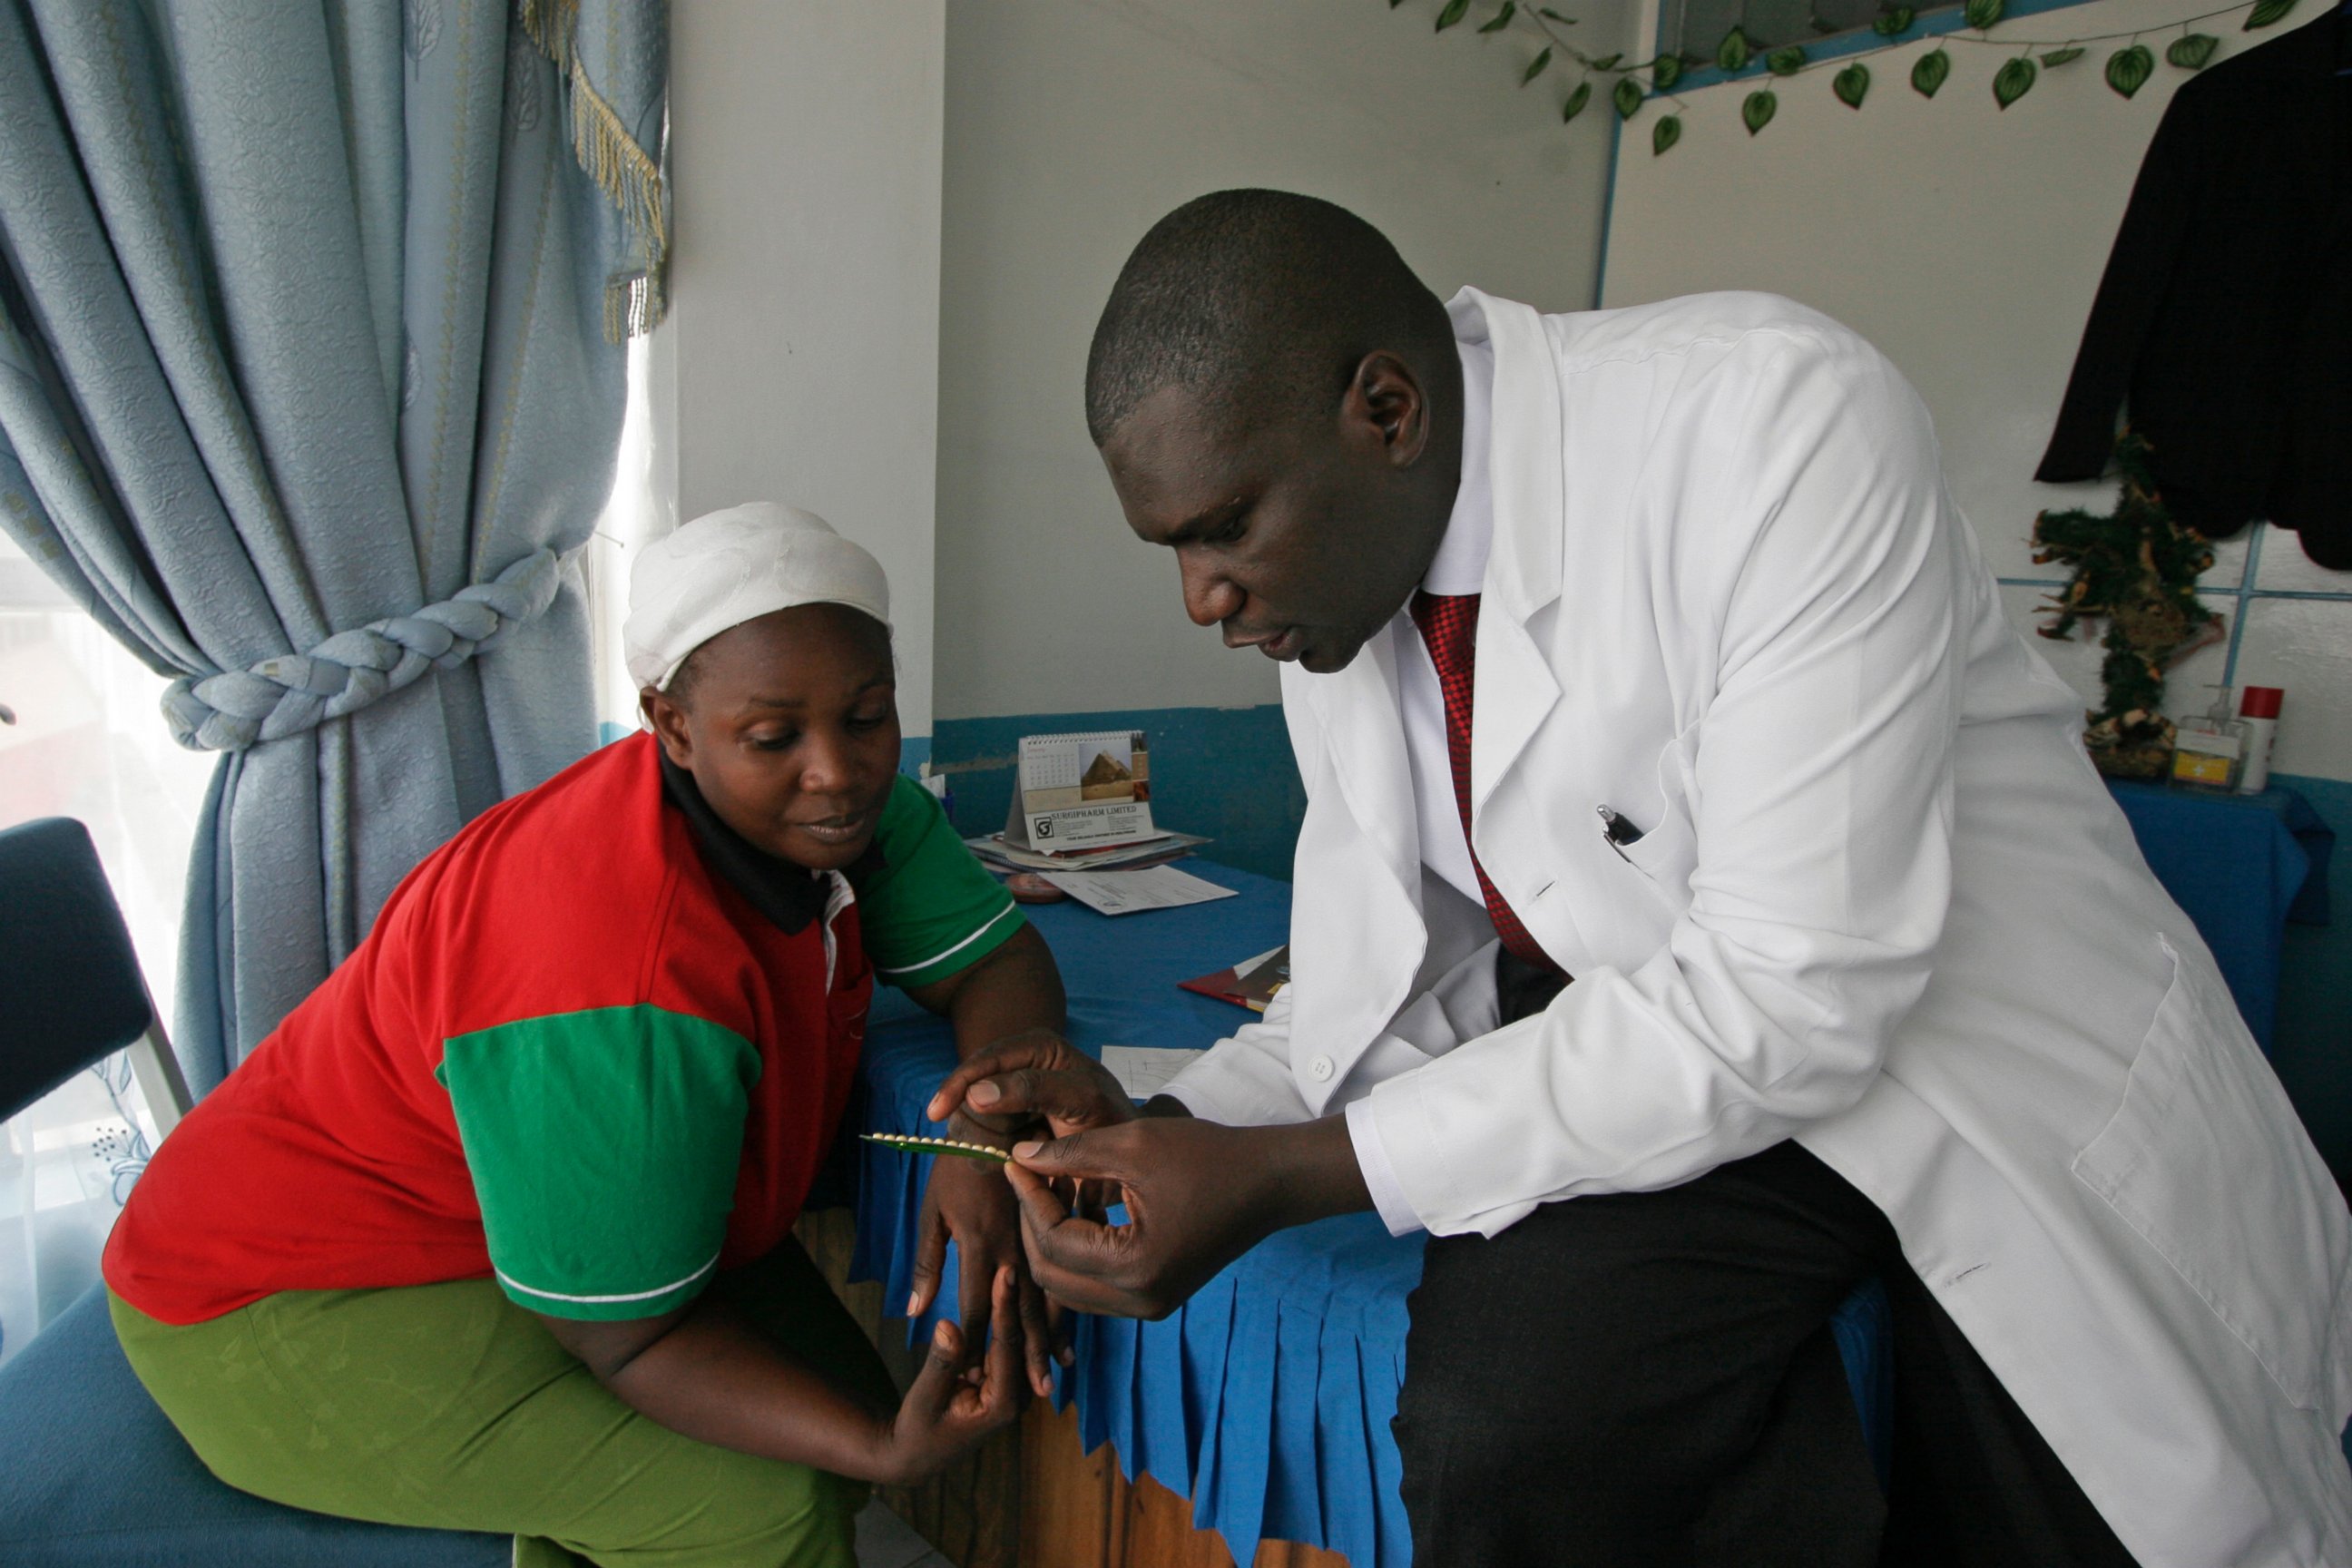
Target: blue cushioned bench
[(91, 1472)]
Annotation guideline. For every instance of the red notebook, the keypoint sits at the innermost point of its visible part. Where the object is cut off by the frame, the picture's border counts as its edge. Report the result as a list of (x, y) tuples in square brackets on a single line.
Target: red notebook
[(1250, 983)]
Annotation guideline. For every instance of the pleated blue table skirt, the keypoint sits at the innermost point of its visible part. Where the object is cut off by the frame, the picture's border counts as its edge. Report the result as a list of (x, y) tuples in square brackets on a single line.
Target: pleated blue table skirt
[(1266, 1398)]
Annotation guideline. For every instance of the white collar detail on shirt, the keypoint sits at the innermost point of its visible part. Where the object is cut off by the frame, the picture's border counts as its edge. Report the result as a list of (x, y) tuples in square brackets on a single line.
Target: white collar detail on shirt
[(1460, 564)]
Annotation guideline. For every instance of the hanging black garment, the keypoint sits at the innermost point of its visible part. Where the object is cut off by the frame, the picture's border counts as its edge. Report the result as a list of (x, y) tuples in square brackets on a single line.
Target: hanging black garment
[(2224, 321)]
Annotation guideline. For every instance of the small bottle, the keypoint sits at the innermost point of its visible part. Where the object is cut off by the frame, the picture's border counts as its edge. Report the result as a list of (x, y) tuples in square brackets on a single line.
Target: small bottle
[(2258, 711), (936, 781), (2208, 752)]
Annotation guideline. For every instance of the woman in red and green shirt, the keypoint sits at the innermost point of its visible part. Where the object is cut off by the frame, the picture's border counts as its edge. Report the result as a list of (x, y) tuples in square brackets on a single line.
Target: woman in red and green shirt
[(493, 1232)]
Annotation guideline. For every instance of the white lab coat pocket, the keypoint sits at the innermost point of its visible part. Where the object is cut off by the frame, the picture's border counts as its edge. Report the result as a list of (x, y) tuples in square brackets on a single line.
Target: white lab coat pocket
[(1667, 851), (2191, 1162)]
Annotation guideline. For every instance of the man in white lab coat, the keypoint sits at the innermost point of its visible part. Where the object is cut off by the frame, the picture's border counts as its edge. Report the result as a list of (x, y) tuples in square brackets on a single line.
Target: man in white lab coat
[(1703, 905)]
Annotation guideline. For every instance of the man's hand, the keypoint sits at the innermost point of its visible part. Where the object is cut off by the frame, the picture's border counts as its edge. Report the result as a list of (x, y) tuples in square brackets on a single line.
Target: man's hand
[(1037, 1082), (1198, 1196), (945, 1412), (972, 1203)]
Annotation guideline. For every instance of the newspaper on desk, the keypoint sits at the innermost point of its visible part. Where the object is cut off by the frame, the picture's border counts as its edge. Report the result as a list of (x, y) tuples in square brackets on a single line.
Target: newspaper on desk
[(1127, 892)]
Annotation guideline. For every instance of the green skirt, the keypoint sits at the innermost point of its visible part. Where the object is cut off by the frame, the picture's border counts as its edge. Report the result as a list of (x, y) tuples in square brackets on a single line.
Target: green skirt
[(447, 1406)]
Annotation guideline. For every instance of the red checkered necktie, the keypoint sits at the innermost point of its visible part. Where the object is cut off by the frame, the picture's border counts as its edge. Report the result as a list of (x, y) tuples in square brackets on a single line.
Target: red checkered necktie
[(1449, 625)]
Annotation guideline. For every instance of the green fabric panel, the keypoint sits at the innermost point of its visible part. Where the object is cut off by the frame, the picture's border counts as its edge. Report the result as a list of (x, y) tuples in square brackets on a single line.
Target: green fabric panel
[(603, 1146), (932, 909), (449, 1407)]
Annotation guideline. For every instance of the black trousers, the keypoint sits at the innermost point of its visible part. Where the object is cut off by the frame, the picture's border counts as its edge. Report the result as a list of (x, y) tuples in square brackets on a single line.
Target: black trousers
[(1649, 1379)]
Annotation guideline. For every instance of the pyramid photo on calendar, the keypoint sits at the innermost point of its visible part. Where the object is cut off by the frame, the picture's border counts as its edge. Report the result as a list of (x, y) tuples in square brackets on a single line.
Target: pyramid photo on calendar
[(1107, 777)]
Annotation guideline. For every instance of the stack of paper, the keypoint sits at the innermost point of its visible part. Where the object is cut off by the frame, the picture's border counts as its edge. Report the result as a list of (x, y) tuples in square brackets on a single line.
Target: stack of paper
[(993, 850), (1126, 892)]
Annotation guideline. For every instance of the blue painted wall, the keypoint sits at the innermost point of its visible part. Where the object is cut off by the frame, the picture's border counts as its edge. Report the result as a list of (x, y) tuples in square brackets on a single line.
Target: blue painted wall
[(1222, 771)]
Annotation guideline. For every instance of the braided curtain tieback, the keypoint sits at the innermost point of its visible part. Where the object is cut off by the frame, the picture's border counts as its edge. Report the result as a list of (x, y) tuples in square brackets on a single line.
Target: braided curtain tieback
[(286, 695)]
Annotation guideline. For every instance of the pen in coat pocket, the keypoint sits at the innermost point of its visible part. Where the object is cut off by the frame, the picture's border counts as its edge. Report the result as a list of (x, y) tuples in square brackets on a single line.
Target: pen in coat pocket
[(1617, 832)]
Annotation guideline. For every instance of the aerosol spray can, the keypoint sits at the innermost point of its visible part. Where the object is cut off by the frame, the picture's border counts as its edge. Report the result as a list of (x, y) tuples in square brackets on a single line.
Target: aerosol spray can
[(2258, 707)]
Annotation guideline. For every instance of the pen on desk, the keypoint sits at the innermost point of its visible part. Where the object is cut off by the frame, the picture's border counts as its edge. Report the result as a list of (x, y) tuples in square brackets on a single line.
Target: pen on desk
[(1617, 832)]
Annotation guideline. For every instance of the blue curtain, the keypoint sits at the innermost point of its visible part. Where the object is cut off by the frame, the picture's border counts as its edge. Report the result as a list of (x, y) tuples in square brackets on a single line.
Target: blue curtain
[(311, 386)]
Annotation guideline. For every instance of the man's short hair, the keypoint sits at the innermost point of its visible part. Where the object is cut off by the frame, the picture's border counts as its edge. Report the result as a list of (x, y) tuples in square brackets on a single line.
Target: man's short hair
[(1262, 304)]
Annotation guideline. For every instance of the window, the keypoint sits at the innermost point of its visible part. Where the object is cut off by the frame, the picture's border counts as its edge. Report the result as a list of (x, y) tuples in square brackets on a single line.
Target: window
[(633, 517), (88, 742)]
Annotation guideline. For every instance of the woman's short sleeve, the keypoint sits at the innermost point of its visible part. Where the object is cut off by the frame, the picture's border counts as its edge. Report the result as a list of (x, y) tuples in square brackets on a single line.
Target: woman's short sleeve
[(930, 909), (603, 1147)]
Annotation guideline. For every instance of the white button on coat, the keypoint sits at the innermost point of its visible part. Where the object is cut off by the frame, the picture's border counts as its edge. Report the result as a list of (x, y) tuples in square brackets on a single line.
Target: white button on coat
[(1319, 1070)]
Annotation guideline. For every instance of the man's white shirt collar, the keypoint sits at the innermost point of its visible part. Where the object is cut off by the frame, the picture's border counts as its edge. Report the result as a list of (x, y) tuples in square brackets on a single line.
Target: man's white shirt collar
[(1460, 564)]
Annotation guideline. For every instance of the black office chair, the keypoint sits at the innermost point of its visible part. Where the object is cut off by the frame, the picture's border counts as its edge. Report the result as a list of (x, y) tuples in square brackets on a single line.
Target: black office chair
[(73, 992), (89, 1469)]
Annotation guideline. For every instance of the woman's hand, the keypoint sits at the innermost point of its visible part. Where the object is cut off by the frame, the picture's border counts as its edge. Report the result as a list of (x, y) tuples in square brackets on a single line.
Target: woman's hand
[(1009, 1001), (1033, 1085), (706, 1372), (972, 1203), (944, 1412)]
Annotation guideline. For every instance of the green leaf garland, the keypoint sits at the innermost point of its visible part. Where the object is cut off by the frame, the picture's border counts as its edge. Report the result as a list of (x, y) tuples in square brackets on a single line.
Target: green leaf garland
[(2190, 52), (1929, 74), (2128, 69), (2012, 81)]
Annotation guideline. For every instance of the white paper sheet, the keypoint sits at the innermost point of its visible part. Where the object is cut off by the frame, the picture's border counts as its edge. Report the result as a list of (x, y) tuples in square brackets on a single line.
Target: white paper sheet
[(1144, 1071), (1125, 892)]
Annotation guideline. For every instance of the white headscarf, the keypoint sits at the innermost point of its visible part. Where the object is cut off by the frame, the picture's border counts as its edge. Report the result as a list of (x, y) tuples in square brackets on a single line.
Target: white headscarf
[(736, 566)]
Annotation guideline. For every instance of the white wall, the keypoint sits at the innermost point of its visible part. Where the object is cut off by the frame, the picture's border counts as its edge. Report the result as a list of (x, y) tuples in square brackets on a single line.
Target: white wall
[(1968, 243), (801, 358), (1071, 126)]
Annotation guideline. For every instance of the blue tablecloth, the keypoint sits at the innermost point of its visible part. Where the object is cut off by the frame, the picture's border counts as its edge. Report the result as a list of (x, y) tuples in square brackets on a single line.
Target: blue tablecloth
[(2239, 867), (1266, 1398)]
